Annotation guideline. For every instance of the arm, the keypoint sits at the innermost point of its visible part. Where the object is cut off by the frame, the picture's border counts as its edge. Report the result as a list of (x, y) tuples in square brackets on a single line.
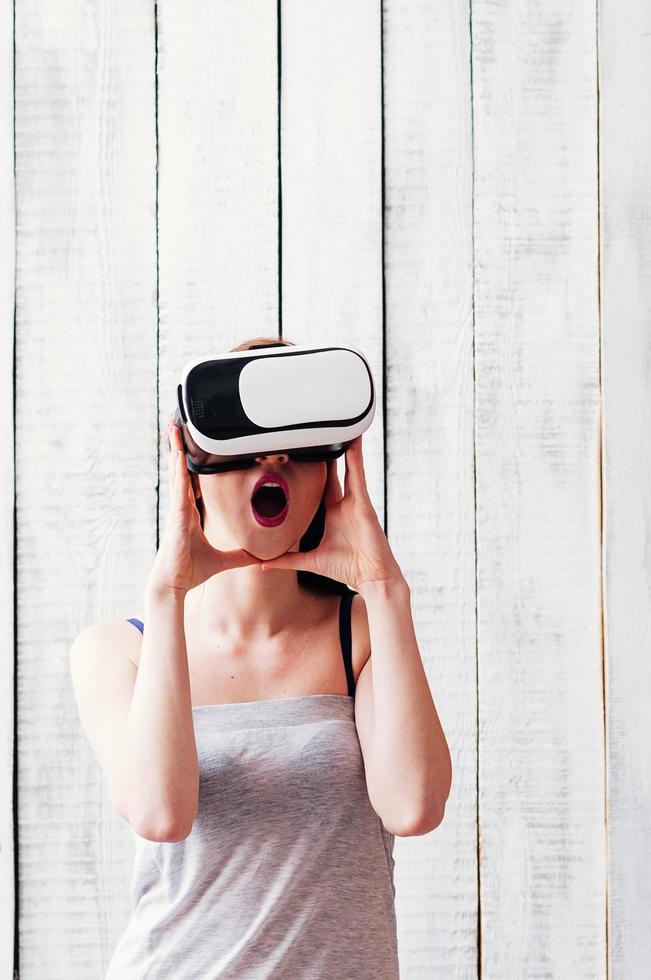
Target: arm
[(158, 776), (406, 755)]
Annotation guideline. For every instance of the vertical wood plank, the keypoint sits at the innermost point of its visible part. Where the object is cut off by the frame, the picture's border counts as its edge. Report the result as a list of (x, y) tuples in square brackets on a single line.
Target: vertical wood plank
[(541, 739), (625, 152), (7, 497), (86, 362), (218, 184), (430, 475), (331, 190), (87, 359), (331, 280)]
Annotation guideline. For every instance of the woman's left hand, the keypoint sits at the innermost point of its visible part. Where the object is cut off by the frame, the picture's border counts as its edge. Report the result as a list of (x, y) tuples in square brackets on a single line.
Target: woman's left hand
[(354, 548)]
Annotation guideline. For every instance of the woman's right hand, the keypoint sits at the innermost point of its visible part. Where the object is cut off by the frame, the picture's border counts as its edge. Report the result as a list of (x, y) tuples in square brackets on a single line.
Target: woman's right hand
[(185, 557)]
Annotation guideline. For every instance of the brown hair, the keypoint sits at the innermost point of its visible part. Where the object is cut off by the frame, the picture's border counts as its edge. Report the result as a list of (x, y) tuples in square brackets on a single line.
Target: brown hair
[(314, 533)]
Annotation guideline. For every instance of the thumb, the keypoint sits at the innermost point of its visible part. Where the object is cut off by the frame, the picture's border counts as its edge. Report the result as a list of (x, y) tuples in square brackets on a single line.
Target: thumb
[(302, 561), (237, 558)]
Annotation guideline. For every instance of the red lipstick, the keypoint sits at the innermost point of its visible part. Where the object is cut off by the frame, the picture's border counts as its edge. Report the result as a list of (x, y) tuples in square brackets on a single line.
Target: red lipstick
[(271, 477)]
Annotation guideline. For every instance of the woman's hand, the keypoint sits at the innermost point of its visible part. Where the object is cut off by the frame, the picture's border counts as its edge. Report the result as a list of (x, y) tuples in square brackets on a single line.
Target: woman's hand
[(185, 557), (354, 548)]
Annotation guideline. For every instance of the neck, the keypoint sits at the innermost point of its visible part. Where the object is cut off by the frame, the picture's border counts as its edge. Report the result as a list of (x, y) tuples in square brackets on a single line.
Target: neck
[(247, 605)]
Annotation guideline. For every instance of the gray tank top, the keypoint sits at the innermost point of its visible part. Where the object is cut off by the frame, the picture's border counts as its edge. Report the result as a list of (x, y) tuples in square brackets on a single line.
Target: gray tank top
[(288, 872)]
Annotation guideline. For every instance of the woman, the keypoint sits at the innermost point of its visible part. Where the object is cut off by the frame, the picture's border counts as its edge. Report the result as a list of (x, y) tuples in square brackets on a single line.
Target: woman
[(237, 741)]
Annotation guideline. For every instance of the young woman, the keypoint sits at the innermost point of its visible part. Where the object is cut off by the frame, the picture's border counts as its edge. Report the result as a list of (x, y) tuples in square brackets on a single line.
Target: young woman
[(264, 771)]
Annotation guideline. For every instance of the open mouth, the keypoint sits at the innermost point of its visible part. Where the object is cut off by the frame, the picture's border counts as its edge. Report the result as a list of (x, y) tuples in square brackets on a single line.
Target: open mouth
[(270, 503)]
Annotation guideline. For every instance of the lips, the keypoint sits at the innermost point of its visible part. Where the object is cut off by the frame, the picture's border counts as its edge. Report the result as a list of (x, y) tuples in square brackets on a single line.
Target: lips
[(271, 477), (264, 519)]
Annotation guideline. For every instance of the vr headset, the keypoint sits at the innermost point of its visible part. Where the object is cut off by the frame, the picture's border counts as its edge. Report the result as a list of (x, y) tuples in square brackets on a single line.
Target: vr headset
[(308, 402)]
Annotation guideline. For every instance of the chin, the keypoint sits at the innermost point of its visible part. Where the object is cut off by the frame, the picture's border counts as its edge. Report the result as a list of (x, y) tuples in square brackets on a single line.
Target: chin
[(267, 551)]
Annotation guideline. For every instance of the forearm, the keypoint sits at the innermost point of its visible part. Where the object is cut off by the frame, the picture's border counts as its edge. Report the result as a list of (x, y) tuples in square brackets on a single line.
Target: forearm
[(160, 774), (411, 760)]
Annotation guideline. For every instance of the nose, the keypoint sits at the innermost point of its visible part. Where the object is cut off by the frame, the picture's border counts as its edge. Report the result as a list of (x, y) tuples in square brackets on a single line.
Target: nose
[(272, 457)]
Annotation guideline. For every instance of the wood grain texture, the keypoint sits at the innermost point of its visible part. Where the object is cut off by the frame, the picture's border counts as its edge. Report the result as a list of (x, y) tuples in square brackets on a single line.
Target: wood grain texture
[(505, 338), (86, 396), (218, 182), (541, 747), (8, 883), (625, 152), (218, 186), (430, 479), (331, 149)]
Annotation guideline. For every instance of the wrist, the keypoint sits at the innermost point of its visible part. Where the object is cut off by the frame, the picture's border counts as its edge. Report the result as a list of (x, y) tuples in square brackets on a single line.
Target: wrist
[(161, 590), (384, 588)]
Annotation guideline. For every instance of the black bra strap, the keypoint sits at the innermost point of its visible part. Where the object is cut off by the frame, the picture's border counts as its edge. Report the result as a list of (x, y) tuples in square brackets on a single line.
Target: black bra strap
[(345, 638)]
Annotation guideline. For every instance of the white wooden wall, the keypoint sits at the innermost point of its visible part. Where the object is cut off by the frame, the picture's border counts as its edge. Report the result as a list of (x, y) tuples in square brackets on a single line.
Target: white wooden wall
[(460, 189)]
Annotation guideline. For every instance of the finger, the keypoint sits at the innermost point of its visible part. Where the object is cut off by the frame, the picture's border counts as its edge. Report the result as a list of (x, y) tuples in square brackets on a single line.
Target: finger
[(171, 460), (355, 477), (184, 476), (299, 560), (172, 431), (173, 469), (181, 475), (179, 467), (175, 437), (333, 492), (238, 558)]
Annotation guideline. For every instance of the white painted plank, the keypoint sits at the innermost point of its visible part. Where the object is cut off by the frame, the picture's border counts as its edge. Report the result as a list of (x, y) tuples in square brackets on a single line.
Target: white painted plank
[(86, 271), (430, 447), (625, 154), (218, 183), (331, 150), (7, 498), (541, 746), (86, 442)]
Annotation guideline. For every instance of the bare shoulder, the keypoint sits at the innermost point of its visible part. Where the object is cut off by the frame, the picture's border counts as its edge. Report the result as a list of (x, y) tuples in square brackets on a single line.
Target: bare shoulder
[(133, 640), (108, 627), (108, 635)]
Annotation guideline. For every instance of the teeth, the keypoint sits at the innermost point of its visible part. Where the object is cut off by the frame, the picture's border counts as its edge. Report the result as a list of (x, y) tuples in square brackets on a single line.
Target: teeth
[(271, 483)]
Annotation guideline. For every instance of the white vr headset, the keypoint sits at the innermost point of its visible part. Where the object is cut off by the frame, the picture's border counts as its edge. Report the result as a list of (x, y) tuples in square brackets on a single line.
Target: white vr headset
[(308, 402)]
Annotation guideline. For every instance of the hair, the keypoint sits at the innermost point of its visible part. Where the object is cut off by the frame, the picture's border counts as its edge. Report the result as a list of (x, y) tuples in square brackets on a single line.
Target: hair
[(314, 532)]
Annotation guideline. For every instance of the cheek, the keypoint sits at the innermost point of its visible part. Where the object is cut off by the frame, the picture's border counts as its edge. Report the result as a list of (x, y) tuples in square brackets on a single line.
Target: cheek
[(314, 492), (314, 484), (223, 498)]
